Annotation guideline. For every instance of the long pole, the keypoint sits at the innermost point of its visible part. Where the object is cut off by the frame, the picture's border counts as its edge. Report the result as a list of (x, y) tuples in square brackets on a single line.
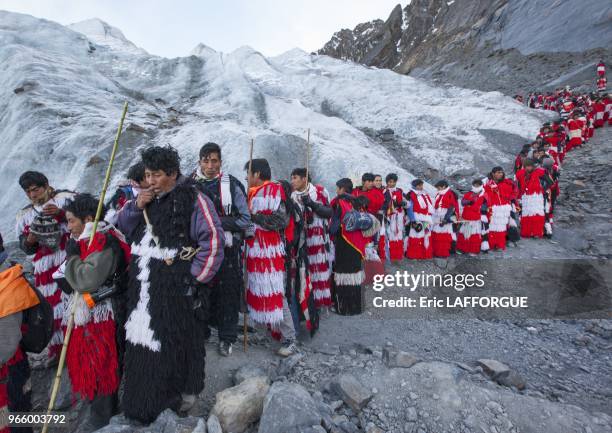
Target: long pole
[(307, 156), (70, 325), (246, 277)]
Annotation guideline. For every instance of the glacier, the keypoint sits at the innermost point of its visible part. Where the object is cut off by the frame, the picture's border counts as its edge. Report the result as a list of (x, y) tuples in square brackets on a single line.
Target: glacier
[(63, 87)]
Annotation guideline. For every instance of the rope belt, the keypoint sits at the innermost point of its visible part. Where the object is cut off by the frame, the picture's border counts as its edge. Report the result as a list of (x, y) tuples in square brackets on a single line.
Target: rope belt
[(186, 253)]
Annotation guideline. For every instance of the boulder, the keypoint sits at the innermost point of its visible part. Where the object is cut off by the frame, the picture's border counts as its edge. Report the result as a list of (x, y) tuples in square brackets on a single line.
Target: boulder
[(288, 407), (394, 358), (242, 405), (352, 392)]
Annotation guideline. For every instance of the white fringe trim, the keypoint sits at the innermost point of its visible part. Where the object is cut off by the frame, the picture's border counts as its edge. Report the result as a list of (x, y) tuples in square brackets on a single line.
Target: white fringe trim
[(267, 251), (138, 326), (353, 279), (264, 284), (320, 276), (533, 204), (500, 215), (322, 294), (273, 318), (314, 241)]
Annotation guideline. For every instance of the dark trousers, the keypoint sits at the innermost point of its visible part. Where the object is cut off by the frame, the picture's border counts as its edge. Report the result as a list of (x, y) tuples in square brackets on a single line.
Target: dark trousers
[(224, 296)]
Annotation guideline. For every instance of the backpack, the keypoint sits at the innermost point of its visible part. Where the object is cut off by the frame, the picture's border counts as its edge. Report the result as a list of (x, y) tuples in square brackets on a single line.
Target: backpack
[(17, 294), (37, 325)]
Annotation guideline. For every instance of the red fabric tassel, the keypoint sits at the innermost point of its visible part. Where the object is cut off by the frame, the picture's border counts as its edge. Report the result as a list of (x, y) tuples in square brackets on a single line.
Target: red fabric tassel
[(497, 240), (396, 250), (532, 226), (265, 303), (416, 249), (441, 244), (469, 245), (92, 360), (381, 248)]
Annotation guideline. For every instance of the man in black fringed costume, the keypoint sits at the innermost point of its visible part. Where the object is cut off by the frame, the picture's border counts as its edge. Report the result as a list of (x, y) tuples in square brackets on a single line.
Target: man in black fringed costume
[(173, 259)]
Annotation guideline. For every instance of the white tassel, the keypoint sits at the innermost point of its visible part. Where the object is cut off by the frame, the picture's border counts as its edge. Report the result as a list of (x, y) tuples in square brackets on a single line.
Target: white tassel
[(346, 279)]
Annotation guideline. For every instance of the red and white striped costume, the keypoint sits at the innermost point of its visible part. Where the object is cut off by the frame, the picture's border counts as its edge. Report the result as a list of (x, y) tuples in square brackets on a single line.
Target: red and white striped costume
[(266, 259), (46, 262), (575, 133), (601, 69), (499, 198), (318, 245), (419, 242), (602, 84), (599, 109), (470, 237), (442, 235), (531, 195), (396, 217), (607, 101)]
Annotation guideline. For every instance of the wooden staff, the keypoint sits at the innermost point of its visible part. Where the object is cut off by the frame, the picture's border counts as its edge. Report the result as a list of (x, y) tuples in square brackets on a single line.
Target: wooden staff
[(307, 155), (70, 325), (246, 277)]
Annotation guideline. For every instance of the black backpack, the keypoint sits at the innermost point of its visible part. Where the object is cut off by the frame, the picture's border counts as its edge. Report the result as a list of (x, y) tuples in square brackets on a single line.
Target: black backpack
[(37, 324)]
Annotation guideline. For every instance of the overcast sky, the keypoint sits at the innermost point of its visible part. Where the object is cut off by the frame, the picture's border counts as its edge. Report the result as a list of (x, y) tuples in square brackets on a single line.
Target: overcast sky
[(171, 28)]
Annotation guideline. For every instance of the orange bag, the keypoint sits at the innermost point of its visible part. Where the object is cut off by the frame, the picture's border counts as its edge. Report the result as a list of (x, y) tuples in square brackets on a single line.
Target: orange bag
[(15, 292)]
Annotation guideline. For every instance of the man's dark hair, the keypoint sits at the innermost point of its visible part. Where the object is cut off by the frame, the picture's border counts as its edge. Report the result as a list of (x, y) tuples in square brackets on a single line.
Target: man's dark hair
[(477, 182), (32, 178), (417, 182), (441, 184), (361, 202), (346, 184), (528, 162), (84, 205), (165, 158), (367, 177), (377, 175), (260, 166), (496, 169), (391, 176), (209, 148), (301, 172), (136, 172)]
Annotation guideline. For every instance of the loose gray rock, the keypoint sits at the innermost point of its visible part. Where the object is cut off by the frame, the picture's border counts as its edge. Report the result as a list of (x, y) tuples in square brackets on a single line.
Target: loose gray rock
[(494, 368), (288, 406), (401, 359), (240, 406), (411, 414), (247, 372), (353, 393), (287, 365), (213, 425)]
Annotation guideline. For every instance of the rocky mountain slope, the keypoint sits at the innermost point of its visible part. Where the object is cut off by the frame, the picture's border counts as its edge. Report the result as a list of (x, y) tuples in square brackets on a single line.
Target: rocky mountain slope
[(62, 89), (506, 45)]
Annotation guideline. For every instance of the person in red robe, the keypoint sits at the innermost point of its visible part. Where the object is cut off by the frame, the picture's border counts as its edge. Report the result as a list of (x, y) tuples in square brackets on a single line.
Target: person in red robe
[(396, 218), (420, 214), (601, 69), (532, 183), (501, 193), (599, 109), (446, 210), (376, 206), (574, 125), (471, 238)]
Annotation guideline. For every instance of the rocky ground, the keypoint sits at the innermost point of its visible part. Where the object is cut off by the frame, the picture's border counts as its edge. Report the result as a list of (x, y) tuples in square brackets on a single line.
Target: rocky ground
[(429, 371)]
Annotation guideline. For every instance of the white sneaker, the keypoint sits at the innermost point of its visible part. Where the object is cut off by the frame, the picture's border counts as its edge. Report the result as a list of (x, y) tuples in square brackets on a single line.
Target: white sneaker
[(288, 348)]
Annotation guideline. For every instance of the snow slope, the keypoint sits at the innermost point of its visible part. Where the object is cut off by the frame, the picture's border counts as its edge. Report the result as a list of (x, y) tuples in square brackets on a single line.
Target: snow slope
[(62, 90)]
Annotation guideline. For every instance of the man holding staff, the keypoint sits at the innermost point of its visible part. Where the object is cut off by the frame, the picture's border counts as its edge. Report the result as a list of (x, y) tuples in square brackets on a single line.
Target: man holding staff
[(177, 248)]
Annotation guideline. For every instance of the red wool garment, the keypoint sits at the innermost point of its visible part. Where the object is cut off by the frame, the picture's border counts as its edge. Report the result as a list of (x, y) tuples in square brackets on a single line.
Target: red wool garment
[(419, 241), (531, 196), (266, 259), (499, 196), (442, 232), (469, 238)]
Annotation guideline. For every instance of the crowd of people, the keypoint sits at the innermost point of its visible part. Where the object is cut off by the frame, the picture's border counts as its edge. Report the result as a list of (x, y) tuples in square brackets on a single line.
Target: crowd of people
[(175, 255)]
